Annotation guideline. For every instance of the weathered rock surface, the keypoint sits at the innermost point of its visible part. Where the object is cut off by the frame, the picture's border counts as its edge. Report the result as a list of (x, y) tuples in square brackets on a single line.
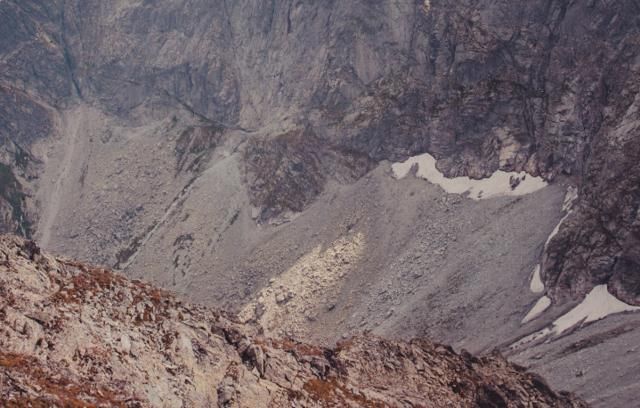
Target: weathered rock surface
[(75, 335), (311, 93)]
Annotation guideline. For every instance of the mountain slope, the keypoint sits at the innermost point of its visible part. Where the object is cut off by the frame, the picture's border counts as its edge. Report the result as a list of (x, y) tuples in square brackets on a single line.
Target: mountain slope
[(75, 335), (305, 95), (239, 153)]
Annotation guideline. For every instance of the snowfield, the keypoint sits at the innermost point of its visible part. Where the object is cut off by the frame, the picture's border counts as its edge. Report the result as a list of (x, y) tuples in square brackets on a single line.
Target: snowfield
[(541, 305), (536, 285), (597, 305), (501, 183)]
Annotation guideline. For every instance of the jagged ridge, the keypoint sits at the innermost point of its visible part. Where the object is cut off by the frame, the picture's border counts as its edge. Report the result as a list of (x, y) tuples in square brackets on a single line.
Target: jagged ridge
[(74, 335)]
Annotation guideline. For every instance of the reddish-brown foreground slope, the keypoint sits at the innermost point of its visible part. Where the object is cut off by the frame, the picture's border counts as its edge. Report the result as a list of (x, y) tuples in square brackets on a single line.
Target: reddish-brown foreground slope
[(75, 336)]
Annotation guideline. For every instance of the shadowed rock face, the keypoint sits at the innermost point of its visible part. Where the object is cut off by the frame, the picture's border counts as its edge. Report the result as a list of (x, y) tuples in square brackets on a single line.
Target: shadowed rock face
[(75, 335), (323, 91)]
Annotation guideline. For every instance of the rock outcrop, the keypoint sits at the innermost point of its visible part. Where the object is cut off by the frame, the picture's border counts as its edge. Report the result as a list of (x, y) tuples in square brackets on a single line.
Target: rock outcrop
[(312, 93), (75, 335)]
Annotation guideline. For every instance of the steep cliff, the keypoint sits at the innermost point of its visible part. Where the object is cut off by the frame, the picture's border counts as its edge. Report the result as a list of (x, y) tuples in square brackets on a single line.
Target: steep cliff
[(237, 152), (313, 93)]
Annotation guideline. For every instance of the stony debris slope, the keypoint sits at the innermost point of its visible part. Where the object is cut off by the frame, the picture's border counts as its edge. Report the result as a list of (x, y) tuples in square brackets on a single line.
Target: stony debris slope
[(126, 106), (73, 335)]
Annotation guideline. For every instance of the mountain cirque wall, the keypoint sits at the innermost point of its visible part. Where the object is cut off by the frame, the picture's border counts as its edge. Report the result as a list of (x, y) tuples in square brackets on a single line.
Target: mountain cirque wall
[(74, 335), (312, 92)]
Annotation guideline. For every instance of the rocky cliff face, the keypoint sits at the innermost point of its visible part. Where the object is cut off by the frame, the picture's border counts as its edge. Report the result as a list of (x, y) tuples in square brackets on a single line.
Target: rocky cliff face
[(237, 152), (75, 335), (312, 93)]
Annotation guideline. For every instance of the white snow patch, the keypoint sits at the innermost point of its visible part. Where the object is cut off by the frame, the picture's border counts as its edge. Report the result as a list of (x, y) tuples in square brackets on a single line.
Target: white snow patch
[(569, 198), (541, 305), (597, 305), (556, 229), (501, 183), (536, 285)]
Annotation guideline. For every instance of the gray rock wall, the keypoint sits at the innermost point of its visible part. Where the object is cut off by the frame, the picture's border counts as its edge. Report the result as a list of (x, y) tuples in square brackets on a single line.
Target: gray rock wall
[(545, 86)]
